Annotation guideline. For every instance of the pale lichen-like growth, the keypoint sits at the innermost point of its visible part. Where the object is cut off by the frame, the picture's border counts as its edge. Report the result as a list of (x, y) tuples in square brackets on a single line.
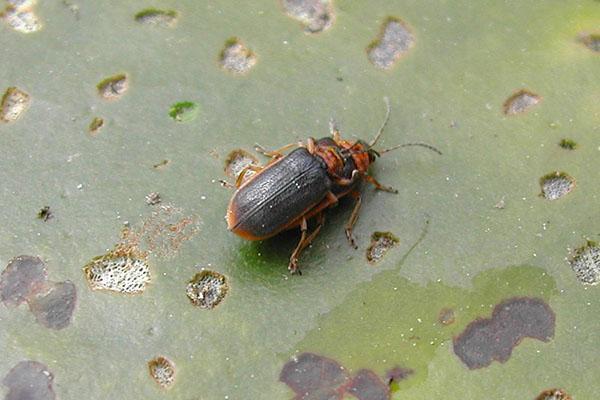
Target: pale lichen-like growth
[(207, 289), (556, 184), (520, 102), (237, 58), (121, 273), (316, 15), (393, 42), (586, 264)]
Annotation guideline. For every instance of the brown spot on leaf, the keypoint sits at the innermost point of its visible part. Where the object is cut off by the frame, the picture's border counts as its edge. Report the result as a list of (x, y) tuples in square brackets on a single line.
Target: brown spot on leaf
[(520, 102), (236, 57), (162, 370), (207, 289), (316, 15), (237, 160), (381, 242), (553, 394), (95, 126), (393, 42), (55, 307), (22, 279), (153, 16), (488, 339), (21, 19), (446, 316), (14, 103), (114, 87), (29, 380)]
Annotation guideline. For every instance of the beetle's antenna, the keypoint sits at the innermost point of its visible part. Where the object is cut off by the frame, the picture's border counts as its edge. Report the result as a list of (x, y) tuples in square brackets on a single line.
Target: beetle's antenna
[(385, 121), (427, 146)]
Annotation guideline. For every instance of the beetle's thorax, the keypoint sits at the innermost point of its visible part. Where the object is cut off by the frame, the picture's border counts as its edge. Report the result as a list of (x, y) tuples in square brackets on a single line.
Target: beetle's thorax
[(337, 154)]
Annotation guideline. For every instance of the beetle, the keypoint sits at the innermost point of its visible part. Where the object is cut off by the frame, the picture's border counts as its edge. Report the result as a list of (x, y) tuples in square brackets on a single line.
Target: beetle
[(296, 187)]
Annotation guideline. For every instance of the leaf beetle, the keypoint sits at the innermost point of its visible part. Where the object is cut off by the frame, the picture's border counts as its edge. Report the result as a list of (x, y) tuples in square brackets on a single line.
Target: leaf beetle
[(296, 187)]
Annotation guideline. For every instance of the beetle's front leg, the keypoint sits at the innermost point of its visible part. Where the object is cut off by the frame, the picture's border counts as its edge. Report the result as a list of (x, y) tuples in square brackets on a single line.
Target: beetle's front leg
[(378, 185), (353, 218), (305, 240)]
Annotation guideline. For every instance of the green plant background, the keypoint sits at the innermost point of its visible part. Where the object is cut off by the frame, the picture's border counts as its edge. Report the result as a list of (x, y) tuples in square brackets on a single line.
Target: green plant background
[(447, 91)]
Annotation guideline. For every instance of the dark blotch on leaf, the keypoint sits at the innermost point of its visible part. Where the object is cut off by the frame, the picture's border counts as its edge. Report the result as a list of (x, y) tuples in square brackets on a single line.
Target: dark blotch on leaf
[(368, 386), (312, 376), (485, 340), (29, 380), (55, 308), (23, 278)]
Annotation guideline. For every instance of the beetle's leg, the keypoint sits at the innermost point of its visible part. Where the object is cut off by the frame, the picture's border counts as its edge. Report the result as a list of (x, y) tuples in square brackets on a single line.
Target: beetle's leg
[(305, 240), (240, 178), (311, 145), (378, 185), (333, 129), (345, 181), (226, 184), (293, 265), (353, 217), (274, 153)]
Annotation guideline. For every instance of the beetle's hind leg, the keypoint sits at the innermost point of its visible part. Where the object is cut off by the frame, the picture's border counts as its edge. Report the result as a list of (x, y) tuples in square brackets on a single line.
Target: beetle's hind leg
[(240, 178), (353, 218), (274, 153), (378, 185), (305, 240)]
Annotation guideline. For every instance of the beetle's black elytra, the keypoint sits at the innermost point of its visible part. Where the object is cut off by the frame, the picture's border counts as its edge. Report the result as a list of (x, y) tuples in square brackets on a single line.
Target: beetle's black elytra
[(301, 185)]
